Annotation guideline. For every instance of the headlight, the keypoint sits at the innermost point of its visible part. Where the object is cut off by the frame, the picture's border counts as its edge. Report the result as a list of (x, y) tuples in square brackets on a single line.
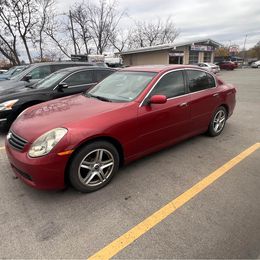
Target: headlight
[(45, 143), (8, 105)]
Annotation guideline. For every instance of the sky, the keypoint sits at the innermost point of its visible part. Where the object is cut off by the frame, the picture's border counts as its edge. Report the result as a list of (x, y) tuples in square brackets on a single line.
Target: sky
[(225, 21)]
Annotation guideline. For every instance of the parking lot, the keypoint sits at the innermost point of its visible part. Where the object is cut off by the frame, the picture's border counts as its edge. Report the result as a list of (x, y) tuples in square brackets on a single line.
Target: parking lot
[(220, 221)]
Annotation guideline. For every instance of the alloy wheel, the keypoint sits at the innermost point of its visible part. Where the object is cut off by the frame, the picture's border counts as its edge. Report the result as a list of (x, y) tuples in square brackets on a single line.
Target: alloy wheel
[(219, 121), (96, 167)]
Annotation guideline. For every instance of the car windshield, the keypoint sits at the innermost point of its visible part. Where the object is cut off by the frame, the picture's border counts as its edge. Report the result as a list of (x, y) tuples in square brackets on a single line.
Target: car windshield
[(122, 86), (17, 75), (51, 80)]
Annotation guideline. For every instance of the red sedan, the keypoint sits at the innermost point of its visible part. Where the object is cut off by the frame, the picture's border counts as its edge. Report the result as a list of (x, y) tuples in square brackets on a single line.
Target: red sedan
[(84, 139), (227, 65)]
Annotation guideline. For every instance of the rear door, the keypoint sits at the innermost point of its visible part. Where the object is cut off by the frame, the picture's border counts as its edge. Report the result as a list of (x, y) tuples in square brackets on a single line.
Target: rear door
[(163, 124), (204, 98)]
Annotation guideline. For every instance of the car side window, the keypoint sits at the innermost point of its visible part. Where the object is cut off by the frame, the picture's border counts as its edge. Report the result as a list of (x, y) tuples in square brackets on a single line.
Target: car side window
[(199, 80), (211, 81), (40, 72), (170, 85), (80, 78), (101, 74)]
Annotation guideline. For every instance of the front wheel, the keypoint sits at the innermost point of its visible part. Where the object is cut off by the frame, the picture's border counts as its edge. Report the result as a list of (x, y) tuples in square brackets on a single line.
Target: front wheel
[(93, 166), (218, 122)]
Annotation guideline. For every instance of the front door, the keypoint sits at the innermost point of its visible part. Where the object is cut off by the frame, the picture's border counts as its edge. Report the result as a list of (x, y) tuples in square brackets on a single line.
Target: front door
[(77, 82), (163, 124)]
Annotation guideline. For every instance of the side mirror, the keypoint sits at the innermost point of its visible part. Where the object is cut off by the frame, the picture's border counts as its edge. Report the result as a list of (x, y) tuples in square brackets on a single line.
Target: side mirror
[(158, 99), (62, 86), (27, 77)]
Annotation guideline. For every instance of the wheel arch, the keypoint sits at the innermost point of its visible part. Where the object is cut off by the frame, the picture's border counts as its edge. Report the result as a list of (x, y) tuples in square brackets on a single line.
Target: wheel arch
[(226, 107), (109, 139)]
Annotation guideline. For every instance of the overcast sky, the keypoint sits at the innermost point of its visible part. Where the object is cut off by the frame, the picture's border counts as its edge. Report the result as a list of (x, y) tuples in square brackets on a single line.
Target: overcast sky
[(225, 21)]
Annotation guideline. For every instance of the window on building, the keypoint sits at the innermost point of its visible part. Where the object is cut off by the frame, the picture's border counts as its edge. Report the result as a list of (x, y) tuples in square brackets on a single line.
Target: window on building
[(207, 56), (194, 57), (170, 85), (199, 80)]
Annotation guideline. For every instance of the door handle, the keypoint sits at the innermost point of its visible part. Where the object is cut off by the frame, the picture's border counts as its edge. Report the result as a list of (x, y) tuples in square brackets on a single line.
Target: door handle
[(185, 104), (215, 95)]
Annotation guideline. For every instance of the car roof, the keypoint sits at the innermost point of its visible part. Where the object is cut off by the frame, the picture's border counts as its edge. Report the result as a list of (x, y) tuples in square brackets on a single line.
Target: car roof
[(61, 62), (78, 68), (158, 68)]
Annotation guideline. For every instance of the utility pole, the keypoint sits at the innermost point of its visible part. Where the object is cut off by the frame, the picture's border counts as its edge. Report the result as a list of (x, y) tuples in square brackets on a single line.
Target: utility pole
[(73, 35), (244, 48)]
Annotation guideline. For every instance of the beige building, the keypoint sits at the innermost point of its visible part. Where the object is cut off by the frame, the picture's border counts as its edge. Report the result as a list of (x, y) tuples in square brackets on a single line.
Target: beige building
[(177, 53)]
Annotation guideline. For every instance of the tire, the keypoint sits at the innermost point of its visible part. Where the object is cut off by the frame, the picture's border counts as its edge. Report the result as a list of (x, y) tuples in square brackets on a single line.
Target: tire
[(93, 166), (217, 122)]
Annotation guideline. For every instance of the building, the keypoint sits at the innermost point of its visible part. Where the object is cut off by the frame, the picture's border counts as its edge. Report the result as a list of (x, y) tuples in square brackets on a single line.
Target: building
[(176, 53)]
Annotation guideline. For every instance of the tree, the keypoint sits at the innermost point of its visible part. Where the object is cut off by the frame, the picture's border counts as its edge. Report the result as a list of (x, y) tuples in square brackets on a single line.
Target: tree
[(120, 39), (25, 14), (79, 16), (45, 11), (148, 34), (222, 52), (56, 31), (8, 37), (103, 22)]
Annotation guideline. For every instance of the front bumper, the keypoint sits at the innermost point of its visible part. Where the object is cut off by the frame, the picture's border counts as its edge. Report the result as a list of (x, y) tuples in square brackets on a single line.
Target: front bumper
[(47, 172)]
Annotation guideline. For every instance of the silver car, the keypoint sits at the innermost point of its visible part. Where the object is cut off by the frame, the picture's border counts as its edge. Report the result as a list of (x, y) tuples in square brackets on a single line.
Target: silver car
[(255, 64), (209, 66)]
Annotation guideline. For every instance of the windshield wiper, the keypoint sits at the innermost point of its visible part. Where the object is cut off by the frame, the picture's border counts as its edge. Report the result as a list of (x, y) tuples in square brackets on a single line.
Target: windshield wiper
[(98, 97)]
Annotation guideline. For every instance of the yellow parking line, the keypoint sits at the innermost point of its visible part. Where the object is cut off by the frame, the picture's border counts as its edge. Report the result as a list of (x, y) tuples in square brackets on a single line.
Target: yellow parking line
[(130, 236), (2, 148)]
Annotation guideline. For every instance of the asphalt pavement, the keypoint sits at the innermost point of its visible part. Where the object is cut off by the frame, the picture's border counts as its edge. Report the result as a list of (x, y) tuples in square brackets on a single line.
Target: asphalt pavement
[(222, 221)]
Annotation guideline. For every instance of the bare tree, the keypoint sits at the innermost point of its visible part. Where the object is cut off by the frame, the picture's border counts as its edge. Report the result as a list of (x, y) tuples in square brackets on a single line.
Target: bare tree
[(56, 34), (154, 33), (25, 16), (81, 20), (121, 39), (45, 8), (103, 21), (8, 37)]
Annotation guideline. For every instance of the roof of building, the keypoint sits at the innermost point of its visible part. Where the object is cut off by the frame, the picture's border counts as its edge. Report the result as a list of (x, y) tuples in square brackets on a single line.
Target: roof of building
[(158, 68), (170, 46)]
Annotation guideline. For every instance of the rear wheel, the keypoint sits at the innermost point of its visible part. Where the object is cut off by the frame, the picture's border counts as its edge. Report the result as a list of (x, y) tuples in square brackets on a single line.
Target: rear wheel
[(93, 166), (218, 122)]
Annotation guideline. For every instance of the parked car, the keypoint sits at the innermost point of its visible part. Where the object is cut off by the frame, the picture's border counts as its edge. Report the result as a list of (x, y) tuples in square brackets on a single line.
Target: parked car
[(2, 71), (36, 72), (12, 72), (59, 84), (209, 66), (84, 139), (255, 64), (226, 65)]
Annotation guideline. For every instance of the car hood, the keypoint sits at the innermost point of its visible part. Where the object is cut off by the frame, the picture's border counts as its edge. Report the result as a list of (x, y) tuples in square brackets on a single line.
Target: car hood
[(11, 85), (14, 93), (62, 112)]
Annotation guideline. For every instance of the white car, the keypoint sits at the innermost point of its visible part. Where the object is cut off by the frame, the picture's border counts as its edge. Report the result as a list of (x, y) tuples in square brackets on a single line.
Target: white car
[(209, 66), (255, 64), (2, 71)]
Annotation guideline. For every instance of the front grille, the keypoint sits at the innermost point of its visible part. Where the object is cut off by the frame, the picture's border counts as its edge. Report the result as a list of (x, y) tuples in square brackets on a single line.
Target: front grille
[(16, 141), (25, 175)]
